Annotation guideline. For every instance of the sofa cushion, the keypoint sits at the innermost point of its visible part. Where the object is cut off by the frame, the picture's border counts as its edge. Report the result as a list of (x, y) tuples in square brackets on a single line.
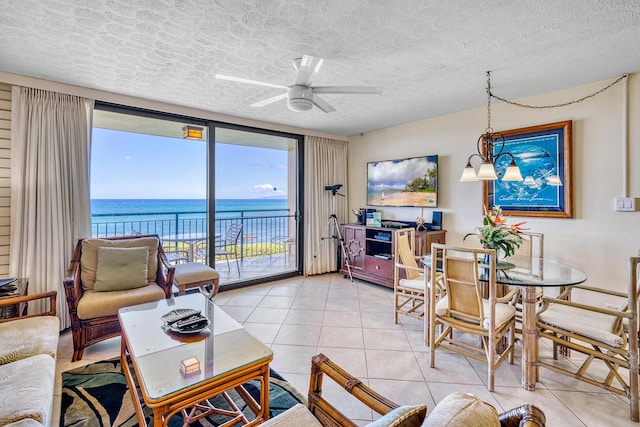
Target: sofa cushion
[(30, 382), (462, 410), (296, 416), (403, 416), (120, 269), (89, 257), (99, 304), (25, 422), (22, 338)]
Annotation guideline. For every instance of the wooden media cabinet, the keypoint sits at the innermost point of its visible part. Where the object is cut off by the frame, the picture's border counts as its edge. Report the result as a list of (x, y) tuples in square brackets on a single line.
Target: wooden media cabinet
[(371, 250)]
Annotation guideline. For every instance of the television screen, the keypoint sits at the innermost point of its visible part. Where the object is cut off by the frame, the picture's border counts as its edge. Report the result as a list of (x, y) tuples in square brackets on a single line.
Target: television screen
[(404, 182)]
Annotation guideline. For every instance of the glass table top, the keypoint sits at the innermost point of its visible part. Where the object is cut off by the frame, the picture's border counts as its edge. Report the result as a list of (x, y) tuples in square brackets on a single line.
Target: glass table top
[(532, 272), (221, 348)]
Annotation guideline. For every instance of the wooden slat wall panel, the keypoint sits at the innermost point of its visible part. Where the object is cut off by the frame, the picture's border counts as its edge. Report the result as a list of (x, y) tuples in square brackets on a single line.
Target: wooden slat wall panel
[(5, 177)]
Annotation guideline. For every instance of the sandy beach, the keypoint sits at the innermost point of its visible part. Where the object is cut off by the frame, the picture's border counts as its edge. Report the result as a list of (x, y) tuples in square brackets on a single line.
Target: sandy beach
[(406, 199)]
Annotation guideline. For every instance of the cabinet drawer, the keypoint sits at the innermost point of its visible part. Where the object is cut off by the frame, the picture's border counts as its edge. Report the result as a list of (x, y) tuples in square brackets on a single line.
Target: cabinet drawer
[(378, 266)]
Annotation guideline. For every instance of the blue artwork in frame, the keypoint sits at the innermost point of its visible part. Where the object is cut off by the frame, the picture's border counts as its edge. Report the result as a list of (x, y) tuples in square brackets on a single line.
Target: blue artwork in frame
[(543, 154)]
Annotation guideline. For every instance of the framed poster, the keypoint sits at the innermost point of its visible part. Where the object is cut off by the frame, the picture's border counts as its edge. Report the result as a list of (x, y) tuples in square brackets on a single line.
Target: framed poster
[(543, 154)]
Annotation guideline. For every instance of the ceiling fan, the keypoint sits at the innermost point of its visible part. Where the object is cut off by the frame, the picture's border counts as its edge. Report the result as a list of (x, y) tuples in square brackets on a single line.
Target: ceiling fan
[(301, 96)]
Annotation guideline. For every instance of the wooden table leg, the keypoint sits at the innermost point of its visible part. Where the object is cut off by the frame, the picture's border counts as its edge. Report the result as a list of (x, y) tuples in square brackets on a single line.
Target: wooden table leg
[(529, 339)]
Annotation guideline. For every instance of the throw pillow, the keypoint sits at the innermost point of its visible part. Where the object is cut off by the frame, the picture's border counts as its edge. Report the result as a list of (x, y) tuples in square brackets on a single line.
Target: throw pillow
[(403, 416), (461, 410), (120, 269)]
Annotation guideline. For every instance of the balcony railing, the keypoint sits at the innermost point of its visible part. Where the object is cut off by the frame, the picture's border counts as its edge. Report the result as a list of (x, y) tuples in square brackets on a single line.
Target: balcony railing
[(261, 228)]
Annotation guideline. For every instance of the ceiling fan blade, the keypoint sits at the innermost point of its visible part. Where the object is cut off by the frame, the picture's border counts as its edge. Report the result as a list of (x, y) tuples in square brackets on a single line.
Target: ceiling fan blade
[(270, 100), (322, 104), (372, 90), (253, 82), (307, 69)]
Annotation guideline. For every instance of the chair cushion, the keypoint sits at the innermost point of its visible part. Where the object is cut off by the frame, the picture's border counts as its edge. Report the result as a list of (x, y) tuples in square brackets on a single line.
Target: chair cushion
[(598, 326), (504, 312), (31, 385), (403, 416), (22, 338), (296, 416), (192, 272), (119, 269), (99, 304), (417, 284), (462, 410), (89, 257)]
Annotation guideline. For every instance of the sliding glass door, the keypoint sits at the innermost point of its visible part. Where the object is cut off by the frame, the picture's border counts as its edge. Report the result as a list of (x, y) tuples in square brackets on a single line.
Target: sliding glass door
[(255, 190), (215, 193)]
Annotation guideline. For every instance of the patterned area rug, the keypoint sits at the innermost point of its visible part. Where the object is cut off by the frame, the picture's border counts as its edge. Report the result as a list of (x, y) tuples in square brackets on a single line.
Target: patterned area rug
[(97, 395)]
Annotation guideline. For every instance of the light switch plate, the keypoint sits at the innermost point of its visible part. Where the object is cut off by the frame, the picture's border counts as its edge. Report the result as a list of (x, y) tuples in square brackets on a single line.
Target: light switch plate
[(625, 204)]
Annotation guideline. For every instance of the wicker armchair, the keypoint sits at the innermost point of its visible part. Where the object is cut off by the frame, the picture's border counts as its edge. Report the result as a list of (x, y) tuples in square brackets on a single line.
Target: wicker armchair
[(599, 333), (456, 406), (464, 308), (94, 314)]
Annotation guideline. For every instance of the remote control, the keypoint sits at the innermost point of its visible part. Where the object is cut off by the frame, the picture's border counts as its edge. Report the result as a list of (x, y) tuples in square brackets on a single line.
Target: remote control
[(182, 316), (191, 321)]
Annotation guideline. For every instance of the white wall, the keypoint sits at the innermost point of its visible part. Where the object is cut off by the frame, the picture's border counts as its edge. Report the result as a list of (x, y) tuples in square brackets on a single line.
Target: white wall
[(598, 240)]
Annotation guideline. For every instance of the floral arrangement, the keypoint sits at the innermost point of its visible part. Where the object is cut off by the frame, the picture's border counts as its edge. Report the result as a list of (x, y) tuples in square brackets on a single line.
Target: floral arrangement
[(495, 233)]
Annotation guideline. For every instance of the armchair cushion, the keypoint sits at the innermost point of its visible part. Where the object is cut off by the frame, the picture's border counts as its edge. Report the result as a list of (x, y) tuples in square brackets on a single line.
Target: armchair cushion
[(23, 338), (119, 269), (598, 326), (99, 304), (89, 257), (461, 410), (403, 416)]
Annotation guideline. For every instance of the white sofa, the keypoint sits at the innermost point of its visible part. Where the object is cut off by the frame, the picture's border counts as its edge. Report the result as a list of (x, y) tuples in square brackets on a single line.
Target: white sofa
[(28, 347)]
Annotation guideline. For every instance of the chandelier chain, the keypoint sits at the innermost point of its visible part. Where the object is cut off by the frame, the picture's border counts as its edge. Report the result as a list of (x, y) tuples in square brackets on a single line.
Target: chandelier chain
[(489, 129), (591, 95)]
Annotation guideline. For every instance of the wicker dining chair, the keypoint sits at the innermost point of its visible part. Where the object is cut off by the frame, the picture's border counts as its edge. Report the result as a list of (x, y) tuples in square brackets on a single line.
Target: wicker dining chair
[(410, 283), (600, 334), (463, 308)]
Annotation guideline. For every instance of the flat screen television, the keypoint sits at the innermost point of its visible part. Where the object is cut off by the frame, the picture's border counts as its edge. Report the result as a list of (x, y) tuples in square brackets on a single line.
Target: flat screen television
[(404, 182)]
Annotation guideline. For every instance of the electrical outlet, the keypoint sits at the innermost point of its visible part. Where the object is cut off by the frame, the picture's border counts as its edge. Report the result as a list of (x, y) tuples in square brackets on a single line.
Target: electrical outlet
[(609, 306)]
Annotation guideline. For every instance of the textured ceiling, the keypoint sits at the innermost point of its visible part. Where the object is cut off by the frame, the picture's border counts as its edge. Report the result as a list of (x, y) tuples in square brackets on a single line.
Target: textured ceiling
[(429, 56)]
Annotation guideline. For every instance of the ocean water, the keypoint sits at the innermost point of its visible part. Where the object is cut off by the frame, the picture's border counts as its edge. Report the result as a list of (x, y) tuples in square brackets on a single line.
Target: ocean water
[(263, 218)]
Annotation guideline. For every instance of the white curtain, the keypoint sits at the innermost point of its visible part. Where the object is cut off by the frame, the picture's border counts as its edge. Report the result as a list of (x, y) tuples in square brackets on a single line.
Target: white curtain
[(325, 164), (50, 208)]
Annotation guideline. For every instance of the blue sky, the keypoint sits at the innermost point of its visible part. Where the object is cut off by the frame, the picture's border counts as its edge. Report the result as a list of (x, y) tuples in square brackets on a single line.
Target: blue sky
[(128, 165)]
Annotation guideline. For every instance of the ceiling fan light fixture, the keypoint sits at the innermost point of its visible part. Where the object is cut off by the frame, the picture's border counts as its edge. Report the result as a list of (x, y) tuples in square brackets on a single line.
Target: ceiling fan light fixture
[(299, 98), (299, 104)]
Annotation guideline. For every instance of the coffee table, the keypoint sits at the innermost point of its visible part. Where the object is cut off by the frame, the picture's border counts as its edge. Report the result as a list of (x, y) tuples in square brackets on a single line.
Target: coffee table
[(228, 357)]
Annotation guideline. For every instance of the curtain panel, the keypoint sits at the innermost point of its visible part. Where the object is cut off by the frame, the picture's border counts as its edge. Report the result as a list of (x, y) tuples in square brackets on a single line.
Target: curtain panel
[(325, 164), (50, 207)]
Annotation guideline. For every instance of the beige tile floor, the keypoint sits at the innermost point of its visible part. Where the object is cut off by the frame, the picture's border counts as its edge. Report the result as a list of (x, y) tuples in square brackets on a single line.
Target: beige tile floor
[(352, 323)]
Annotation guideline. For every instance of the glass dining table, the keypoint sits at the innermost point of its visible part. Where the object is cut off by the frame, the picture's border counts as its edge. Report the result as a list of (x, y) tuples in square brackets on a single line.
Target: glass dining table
[(530, 273)]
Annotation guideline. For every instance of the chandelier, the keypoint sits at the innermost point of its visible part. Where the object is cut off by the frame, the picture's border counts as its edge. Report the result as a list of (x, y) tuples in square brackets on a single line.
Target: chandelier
[(490, 148)]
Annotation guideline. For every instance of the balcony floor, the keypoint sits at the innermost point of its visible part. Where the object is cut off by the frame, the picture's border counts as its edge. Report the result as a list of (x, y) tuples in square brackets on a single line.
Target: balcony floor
[(255, 267)]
